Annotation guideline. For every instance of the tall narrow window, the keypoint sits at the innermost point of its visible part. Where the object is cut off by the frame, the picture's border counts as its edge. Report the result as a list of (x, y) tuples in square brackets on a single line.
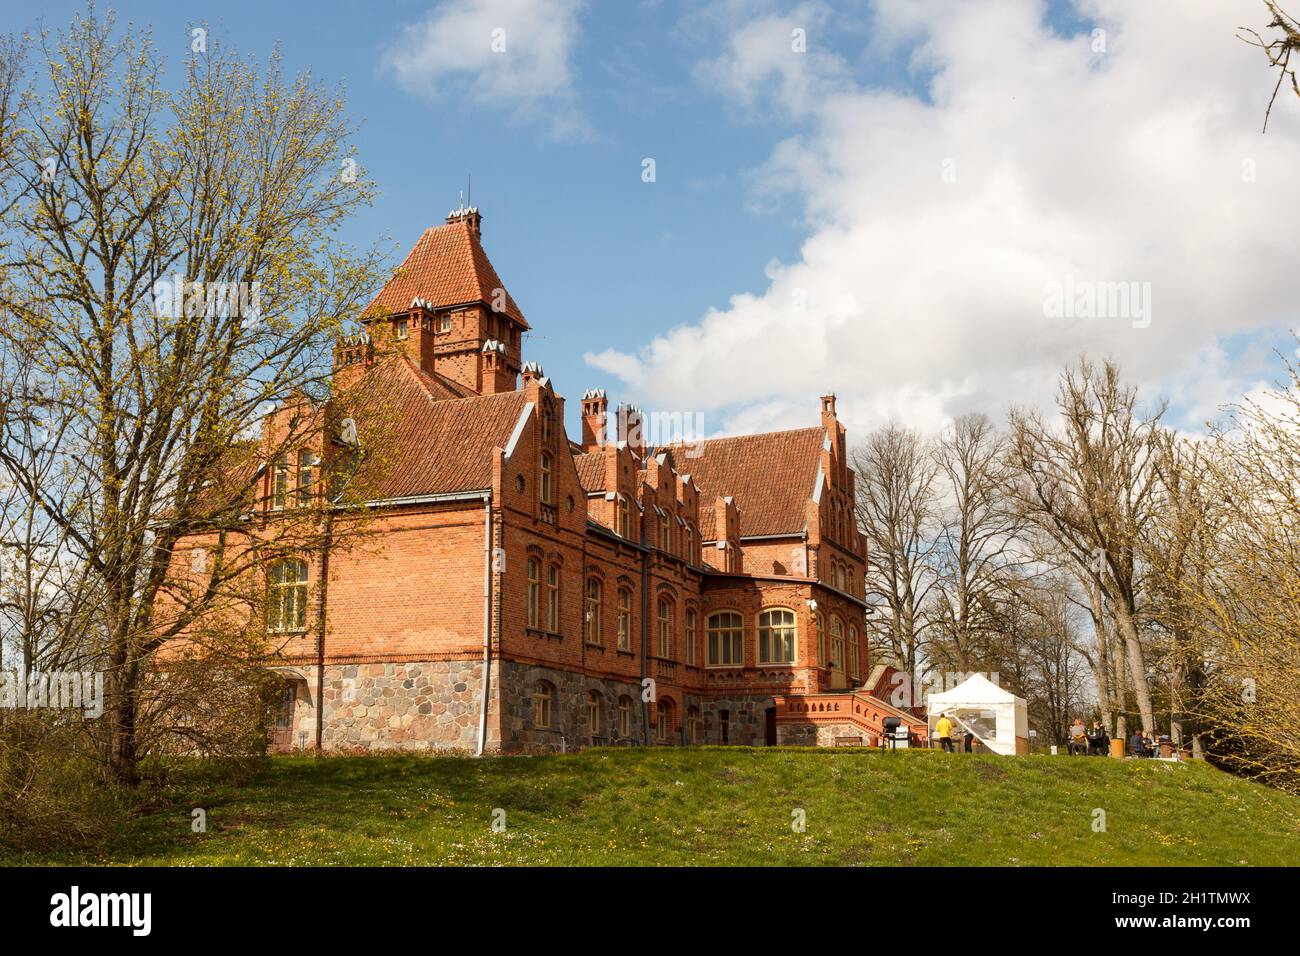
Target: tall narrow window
[(853, 652), (624, 518), (534, 591), (593, 713), (663, 718), (595, 595), (726, 636), (553, 598), (543, 704), (690, 637), (837, 643), (287, 607), (624, 619), (625, 716), (776, 636), (547, 491), (822, 658), (694, 725), (689, 544), (306, 474), (665, 533), (665, 628), (280, 488)]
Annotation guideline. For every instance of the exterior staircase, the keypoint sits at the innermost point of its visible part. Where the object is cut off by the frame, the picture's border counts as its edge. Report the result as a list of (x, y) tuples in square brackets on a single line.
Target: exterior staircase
[(841, 718)]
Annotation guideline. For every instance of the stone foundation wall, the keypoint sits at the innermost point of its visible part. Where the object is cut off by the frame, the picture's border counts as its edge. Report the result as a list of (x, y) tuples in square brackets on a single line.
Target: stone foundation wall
[(515, 686), (818, 735), (432, 705), (746, 720)]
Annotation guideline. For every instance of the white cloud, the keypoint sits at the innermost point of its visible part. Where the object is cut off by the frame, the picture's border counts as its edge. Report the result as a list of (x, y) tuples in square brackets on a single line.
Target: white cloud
[(921, 296), (503, 53)]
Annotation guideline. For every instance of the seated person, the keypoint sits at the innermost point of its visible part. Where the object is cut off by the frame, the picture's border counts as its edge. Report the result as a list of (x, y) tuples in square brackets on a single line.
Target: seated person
[(1077, 738), (1137, 745), (1098, 741)]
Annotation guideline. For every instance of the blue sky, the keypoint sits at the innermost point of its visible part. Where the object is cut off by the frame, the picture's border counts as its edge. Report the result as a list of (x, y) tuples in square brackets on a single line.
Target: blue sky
[(629, 285)]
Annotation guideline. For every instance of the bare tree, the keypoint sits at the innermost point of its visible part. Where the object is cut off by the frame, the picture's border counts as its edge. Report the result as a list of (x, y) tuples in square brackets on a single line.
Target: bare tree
[(897, 510), (1088, 484), (978, 554), (1278, 49)]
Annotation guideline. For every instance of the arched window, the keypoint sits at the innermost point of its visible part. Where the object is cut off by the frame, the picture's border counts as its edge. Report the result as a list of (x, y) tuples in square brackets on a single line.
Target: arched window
[(837, 643), (776, 631), (664, 718), (726, 636), (595, 597), (593, 713), (665, 628), (287, 607), (690, 636), (546, 489), (624, 619), (534, 591), (553, 598), (625, 716), (544, 704), (694, 725), (853, 652)]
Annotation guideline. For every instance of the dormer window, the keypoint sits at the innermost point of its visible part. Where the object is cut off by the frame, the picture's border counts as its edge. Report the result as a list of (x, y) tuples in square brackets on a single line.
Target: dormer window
[(444, 322), (624, 518), (280, 483), (306, 474), (400, 327)]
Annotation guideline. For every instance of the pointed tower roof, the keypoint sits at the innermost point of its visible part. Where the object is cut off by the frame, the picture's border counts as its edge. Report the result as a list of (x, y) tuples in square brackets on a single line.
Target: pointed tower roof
[(446, 267)]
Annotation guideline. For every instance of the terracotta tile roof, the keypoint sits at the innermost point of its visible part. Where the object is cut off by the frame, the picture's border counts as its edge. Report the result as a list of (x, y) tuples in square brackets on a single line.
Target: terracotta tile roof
[(771, 476), (591, 470), (426, 446), (439, 387), (446, 266)]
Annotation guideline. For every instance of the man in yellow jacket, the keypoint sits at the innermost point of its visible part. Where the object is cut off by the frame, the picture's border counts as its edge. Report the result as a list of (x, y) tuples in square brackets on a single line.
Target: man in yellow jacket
[(943, 727)]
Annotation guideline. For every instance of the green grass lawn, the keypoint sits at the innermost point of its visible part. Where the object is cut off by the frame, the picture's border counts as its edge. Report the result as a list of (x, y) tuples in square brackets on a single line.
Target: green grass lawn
[(720, 806)]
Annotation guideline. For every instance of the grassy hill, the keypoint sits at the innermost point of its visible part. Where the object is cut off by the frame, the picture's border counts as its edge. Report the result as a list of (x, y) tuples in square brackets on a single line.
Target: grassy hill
[(711, 806)]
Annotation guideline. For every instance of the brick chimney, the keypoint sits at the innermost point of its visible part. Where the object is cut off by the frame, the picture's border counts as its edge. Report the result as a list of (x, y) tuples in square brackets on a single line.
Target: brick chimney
[(496, 375), (595, 412), (631, 428), (470, 216), (353, 355)]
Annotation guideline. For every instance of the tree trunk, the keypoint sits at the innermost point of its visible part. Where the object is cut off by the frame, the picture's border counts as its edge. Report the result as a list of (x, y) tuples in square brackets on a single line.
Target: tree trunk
[(1136, 665)]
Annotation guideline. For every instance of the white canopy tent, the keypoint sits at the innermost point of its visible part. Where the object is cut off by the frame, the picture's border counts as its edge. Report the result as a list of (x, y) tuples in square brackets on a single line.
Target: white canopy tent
[(998, 718)]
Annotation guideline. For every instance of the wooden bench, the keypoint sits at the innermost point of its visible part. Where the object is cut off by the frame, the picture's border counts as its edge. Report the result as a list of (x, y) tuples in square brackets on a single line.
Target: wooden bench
[(848, 741)]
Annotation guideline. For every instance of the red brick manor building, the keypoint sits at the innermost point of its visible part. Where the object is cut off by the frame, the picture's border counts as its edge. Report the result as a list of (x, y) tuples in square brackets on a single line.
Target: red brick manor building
[(532, 591)]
